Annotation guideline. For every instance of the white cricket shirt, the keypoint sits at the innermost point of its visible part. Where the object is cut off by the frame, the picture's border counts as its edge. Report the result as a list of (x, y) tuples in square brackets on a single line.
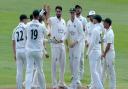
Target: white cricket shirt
[(83, 20), (90, 27), (75, 30), (109, 38), (58, 29), (19, 36), (95, 43), (35, 35)]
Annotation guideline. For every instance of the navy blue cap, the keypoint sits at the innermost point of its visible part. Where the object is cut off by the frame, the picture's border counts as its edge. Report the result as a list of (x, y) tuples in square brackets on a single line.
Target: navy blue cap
[(98, 18), (72, 10)]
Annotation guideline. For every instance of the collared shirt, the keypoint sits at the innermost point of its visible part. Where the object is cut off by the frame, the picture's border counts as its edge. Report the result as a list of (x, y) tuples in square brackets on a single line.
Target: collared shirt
[(75, 30), (89, 29), (19, 36), (109, 38), (35, 32), (83, 20), (58, 29), (96, 39)]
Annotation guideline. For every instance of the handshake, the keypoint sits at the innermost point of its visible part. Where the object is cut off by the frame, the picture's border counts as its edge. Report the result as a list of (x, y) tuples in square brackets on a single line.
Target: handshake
[(53, 40)]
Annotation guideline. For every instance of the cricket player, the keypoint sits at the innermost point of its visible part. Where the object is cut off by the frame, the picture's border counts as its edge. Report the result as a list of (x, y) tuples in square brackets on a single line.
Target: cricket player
[(19, 40), (89, 29), (109, 54), (34, 50), (94, 52), (83, 20), (58, 34), (90, 25), (76, 36), (35, 83)]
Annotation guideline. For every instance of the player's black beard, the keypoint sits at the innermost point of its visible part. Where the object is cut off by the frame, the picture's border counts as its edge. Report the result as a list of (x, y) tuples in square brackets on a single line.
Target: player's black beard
[(58, 16), (78, 14), (91, 20)]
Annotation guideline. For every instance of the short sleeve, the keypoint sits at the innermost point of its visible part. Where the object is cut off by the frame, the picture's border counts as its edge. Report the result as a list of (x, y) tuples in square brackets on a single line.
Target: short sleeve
[(13, 35), (85, 21), (110, 38)]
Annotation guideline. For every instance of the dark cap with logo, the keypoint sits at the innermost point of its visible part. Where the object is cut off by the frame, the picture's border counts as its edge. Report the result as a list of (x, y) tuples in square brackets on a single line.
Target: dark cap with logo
[(72, 10)]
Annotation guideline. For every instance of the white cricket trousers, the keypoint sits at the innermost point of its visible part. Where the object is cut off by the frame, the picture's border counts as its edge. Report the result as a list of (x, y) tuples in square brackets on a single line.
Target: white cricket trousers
[(108, 68), (34, 57), (74, 56), (95, 59), (81, 70), (35, 82), (99, 70), (58, 56), (21, 64)]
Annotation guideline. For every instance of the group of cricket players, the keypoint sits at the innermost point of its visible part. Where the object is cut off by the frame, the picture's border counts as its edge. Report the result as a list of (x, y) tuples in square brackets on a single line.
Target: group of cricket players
[(95, 35)]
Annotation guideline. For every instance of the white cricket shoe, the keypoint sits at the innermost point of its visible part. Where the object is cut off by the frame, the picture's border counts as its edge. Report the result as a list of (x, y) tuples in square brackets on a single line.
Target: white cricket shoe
[(23, 84), (62, 85), (35, 87)]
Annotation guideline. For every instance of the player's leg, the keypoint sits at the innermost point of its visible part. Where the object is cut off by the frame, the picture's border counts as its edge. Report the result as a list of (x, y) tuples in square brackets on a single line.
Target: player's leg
[(35, 83), (19, 76), (91, 83), (104, 71), (71, 60), (24, 65), (40, 73), (62, 62), (94, 58), (76, 66), (82, 61), (111, 70), (92, 69), (55, 53), (99, 68), (29, 70)]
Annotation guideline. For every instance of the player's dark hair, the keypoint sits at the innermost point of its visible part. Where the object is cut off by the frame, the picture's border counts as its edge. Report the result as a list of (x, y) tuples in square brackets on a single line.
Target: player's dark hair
[(31, 17), (36, 13), (22, 17), (78, 7), (40, 19), (108, 20), (98, 18), (58, 7)]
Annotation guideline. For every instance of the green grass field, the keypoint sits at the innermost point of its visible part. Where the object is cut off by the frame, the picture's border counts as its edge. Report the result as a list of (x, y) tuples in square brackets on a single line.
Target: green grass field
[(115, 9)]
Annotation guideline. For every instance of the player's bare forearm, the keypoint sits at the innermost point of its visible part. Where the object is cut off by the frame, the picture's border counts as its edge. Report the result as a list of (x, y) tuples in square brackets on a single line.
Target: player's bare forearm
[(47, 8), (14, 48), (107, 49)]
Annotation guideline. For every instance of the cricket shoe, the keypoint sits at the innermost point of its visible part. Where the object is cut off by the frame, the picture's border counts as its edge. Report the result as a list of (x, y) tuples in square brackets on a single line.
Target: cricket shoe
[(35, 87), (55, 88), (23, 84), (73, 86), (62, 85), (79, 85)]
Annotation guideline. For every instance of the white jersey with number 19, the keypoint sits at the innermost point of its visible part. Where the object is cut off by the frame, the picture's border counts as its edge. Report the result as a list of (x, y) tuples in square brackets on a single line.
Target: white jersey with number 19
[(35, 35)]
